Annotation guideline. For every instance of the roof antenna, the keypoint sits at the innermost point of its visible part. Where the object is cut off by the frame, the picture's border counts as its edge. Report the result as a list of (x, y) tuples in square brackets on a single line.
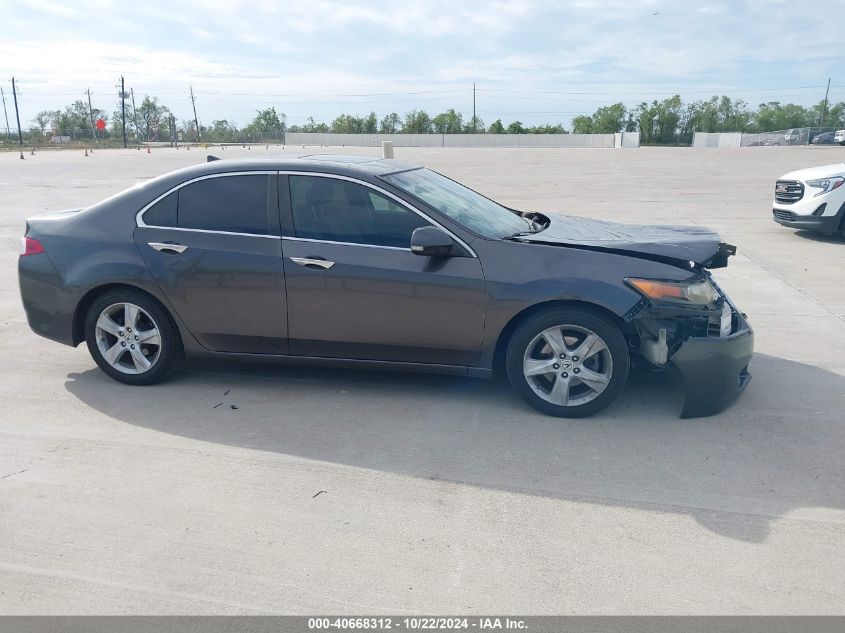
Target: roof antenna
[(211, 158)]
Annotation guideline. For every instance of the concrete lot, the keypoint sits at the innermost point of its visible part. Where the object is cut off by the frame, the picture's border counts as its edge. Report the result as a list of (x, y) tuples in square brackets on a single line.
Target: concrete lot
[(441, 494)]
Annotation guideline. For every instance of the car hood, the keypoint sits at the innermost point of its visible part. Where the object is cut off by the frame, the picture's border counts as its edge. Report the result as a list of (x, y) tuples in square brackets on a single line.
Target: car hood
[(678, 245), (824, 171)]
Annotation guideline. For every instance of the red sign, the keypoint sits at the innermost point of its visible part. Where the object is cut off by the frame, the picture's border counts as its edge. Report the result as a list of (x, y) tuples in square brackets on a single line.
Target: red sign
[(101, 124)]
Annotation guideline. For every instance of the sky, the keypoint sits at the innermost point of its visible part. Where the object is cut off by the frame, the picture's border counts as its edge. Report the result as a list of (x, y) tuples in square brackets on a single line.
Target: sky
[(535, 61)]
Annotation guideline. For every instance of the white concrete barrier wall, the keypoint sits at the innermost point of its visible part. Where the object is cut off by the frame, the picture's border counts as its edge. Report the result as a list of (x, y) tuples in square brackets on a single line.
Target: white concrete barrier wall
[(630, 139), (717, 139), (465, 140)]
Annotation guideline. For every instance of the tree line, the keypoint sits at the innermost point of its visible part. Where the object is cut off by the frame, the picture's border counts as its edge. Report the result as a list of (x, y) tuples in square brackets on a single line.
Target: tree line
[(671, 121), (666, 122)]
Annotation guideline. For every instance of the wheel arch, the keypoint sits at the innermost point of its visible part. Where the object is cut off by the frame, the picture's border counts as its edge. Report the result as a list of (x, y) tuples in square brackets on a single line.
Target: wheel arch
[(78, 325), (510, 326)]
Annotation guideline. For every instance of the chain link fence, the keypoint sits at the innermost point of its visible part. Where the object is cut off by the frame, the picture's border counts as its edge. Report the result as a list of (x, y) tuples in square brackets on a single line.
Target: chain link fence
[(81, 137), (792, 136)]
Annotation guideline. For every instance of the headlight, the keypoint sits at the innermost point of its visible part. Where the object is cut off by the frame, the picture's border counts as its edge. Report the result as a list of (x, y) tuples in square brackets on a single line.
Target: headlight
[(697, 292), (826, 185)]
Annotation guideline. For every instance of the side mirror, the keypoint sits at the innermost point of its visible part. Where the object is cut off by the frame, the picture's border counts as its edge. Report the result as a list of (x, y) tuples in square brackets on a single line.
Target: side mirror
[(431, 241)]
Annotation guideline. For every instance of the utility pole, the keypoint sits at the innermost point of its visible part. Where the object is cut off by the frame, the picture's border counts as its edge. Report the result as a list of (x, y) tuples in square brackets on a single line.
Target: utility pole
[(196, 120), (123, 108), (134, 113), (91, 117), (6, 114), (17, 114), (172, 121), (824, 107), (474, 120)]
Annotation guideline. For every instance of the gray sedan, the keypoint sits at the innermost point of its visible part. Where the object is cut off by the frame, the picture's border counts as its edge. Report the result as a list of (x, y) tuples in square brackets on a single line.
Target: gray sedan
[(382, 264)]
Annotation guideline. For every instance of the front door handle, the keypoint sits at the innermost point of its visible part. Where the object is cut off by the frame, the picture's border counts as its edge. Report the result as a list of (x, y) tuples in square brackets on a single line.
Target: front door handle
[(168, 248), (312, 261)]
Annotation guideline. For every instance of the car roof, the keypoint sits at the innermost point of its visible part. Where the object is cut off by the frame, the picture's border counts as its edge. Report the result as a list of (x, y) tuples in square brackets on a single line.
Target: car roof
[(333, 163), (352, 166)]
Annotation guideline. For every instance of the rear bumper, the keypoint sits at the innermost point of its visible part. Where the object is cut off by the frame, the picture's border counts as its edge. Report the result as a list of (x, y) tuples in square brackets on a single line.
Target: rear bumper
[(49, 309), (823, 223), (715, 369)]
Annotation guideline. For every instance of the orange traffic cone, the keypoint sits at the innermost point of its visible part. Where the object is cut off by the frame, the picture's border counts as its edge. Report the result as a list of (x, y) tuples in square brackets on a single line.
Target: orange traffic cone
[(22, 158)]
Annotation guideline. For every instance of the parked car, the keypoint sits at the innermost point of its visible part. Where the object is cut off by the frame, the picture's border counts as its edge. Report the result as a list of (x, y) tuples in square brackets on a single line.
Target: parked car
[(812, 199), (825, 138), (839, 137), (795, 136), (792, 136), (378, 263)]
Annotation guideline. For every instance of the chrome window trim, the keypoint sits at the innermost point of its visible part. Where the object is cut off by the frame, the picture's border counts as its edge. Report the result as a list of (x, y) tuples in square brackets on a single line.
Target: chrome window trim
[(139, 219), (176, 228), (384, 192), (308, 239)]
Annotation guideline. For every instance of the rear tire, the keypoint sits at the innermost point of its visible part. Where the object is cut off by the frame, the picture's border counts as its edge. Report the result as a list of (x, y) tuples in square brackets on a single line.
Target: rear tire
[(132, 338), (568, 362)]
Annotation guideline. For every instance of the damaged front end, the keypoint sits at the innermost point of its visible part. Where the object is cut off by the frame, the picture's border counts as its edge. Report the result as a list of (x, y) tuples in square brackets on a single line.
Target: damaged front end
[(710, 342)]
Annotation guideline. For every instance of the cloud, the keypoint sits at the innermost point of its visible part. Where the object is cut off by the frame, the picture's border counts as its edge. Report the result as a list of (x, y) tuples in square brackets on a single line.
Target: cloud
[(304, 57)]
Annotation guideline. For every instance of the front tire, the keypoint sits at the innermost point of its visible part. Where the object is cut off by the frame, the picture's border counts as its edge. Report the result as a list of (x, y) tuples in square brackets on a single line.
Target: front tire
[(568, 362), (132, 338)]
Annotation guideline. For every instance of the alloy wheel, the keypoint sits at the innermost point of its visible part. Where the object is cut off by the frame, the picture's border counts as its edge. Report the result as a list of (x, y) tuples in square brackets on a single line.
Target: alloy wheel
[(128, 338), (567, 365)]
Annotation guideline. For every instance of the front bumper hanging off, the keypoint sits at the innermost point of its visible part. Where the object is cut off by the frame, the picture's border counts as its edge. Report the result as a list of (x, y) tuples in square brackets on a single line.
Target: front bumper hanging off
[(714, 369), (713, 365)]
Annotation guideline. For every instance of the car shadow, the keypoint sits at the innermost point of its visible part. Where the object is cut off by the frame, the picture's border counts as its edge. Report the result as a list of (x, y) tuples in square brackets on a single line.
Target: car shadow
[(814, 236), (776, 452)]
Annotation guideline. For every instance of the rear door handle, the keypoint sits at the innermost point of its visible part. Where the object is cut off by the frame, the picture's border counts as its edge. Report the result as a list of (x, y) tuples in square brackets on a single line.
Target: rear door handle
[(312, 261), (165, 248)]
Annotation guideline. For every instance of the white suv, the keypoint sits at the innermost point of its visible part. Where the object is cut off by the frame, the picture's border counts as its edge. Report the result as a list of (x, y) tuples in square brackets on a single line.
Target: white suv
[(839, 137), (812, 199)]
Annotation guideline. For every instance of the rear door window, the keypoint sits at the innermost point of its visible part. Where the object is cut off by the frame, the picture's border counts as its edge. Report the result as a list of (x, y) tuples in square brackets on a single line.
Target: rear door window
[(163, 212), (234, 204)]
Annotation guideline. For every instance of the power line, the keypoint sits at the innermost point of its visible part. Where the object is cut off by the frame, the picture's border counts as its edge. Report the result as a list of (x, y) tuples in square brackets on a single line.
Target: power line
[(356, 94), (677, 90), (652, 92)]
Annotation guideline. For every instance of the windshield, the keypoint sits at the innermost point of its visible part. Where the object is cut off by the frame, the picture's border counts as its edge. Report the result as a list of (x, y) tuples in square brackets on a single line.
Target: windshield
[(466, 207)]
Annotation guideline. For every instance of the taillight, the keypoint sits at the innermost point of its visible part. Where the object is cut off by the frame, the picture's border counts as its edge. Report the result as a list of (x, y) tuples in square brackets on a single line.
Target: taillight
[(30, 246)]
